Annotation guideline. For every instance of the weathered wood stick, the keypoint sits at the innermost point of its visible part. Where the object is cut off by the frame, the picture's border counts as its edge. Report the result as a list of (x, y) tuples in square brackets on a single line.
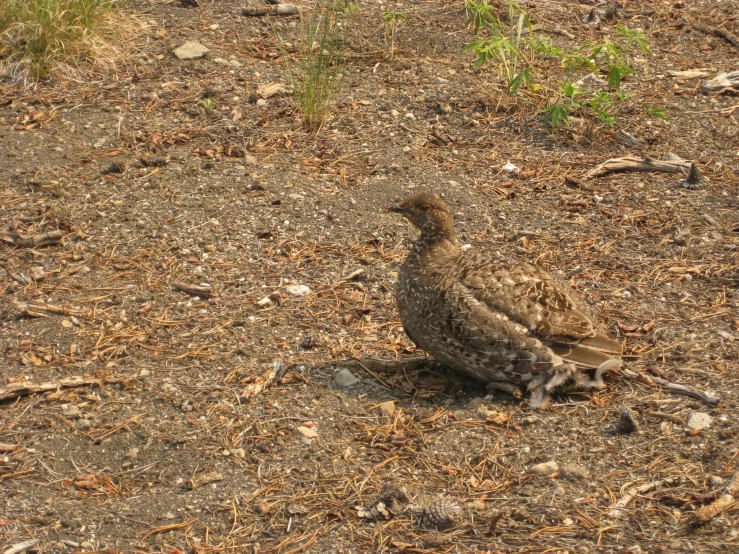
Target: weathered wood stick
[(193, 290), (720, 33), (720, 505), (393, 365), (683, 390), (15, 390), (32, 241), (37, 309), (262, 381), (721, 82), (279, 9), (618, 509), (630, 163)]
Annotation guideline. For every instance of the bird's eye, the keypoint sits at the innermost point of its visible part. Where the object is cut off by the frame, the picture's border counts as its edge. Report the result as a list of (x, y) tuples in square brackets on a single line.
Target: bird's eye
[(425, 208)]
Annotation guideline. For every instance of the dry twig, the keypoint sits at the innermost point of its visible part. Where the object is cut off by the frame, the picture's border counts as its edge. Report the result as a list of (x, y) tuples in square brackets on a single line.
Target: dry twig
[(683, 390), (32, 241), (618, 509), (14, 390), (730, 496), (630, 163)]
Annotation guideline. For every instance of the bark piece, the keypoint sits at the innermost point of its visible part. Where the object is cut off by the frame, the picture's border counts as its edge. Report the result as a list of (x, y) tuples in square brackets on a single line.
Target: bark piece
[(32, 241)]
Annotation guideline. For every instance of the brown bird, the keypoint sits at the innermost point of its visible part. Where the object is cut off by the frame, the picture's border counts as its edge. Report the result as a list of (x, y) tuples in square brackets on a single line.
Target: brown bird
[(505, 322)]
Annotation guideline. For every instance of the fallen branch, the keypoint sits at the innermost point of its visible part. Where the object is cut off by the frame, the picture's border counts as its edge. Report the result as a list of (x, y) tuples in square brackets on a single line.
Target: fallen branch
[(279, 9), (205, 479), (262, 381), (682, 390), (618, 509), (193, 290), (38, 309), (394, 365), (721, 82), (720, 33), (629, 163), (15, 390), (32, 241), (21, 547), (731, 495)]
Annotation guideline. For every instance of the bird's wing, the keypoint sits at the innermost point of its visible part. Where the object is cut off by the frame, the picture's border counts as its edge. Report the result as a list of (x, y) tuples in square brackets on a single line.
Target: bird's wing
[(527, 295), (488, 339)]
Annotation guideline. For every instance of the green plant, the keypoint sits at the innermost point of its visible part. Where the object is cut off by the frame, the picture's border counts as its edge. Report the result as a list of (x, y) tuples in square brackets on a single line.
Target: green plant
[(510, 41), (352, 8), (35, 34), (391, 21), (316, 78), (208, 104), (655, 112)]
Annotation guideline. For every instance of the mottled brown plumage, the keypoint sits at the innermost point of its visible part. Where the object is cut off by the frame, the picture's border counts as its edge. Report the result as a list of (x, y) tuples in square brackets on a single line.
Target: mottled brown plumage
[(495, 319)]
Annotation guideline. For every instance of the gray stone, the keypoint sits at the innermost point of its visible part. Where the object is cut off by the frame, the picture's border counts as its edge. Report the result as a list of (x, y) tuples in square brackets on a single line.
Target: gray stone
[(546, 468), (345, 379), (698, 421), (715, 481), (573, 472), (475, 403), (70, 411), (297, 291), (441, 81), (83, 424), (190, 51)]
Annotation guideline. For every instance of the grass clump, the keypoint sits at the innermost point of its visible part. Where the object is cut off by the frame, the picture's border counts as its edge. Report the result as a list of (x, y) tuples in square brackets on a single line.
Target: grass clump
[(316, 76), (38, 35)]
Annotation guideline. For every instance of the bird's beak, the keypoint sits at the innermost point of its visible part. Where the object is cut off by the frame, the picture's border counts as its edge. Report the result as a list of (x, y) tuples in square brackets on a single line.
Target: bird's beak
[(397, 208)]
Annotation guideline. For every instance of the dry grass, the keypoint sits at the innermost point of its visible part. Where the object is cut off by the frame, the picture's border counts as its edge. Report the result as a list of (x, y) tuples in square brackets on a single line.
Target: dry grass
[(39, 38)]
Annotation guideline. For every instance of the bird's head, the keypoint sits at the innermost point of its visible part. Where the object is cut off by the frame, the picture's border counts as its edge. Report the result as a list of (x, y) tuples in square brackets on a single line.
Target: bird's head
[(429, 213)]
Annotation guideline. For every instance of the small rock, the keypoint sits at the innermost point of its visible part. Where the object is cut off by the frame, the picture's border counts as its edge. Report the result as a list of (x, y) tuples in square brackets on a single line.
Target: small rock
[(546, 468), (475, 403), (387, 409), (345, 379), (250, 160), (573, 472), (347, 453), (132, 453), (698, 421), (395, 113), (441, 81), (715, 481), (307, 432), (169, 515), (298, 291), (190, 51), (87, 545), (261, 102), (70, 411), (410, 116), (406, 149), (294, 196), (83, 424)]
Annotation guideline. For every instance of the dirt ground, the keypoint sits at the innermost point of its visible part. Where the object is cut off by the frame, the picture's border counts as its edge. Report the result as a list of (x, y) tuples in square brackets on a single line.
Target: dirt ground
[(171, 448)]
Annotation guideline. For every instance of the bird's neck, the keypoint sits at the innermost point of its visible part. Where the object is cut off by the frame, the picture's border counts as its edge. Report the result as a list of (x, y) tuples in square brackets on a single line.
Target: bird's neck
[(436, 239)]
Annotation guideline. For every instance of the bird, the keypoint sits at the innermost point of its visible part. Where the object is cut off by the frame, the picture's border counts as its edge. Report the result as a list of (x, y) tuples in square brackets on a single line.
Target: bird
[(498, 320)]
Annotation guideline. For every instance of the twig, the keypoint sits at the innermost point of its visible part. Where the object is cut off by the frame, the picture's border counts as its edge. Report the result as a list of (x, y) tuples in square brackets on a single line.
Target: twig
[(720, 33), (280, 9), (108, 432), (14, 390), (155, 530), (731, 495), (205, 479), (631, 163), (683, 390), (618, 509), (394, 365), (20, 547), (38, 309), (193, 290), (262, 381), (32, 241)]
